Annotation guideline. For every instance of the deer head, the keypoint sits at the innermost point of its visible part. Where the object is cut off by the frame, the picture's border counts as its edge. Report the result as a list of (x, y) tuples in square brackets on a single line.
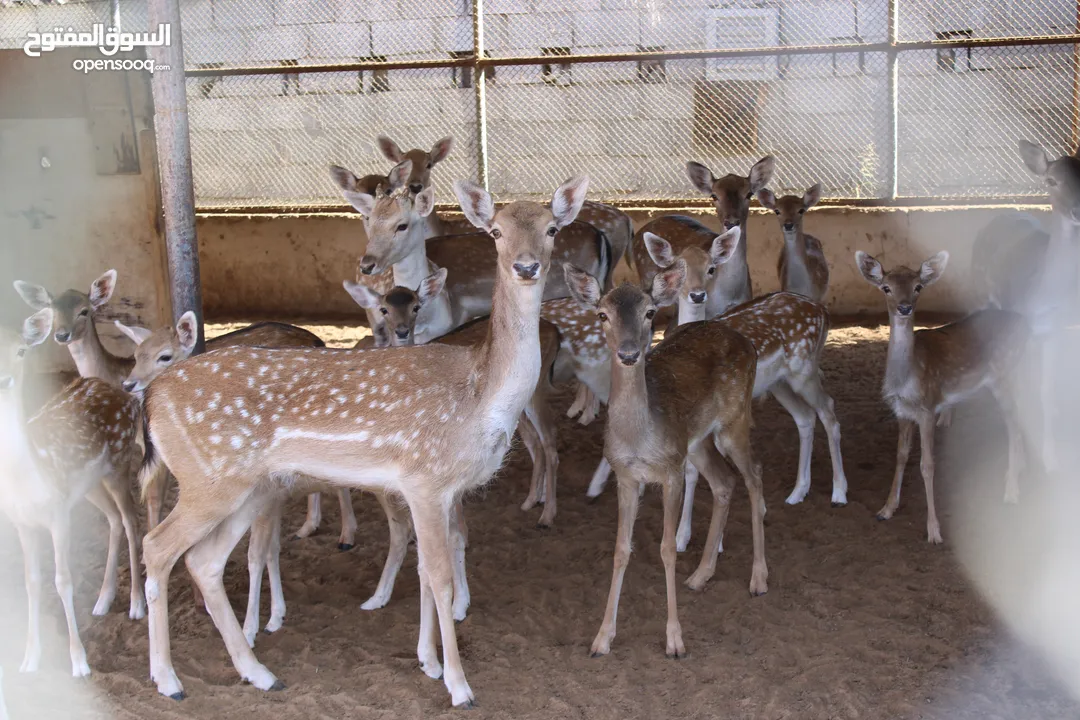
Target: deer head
[(1061, 176), (626, 313), (156, 351), (700, 273), (72, 310), (13, 347), (419, 177), (901, 285), (399, 307), (732, 193), (790, 209)]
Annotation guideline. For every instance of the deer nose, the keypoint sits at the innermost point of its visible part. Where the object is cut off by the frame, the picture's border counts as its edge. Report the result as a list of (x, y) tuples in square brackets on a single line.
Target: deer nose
[(402, 333), (629, 357), (730, 223), (128, 385), (904, 309), (698, 297), (789, 226), (527, 271), (367, 265), (415, 188), (62, 336)]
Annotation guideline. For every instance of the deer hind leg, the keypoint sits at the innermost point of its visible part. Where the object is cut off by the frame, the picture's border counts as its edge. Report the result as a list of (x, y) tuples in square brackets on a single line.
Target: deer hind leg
[(903, 448), (206, 562), (347, 539), (926, 440), (628, 507), (432, 522), (543, 421), (156, 490), (61, 536), (531, 438), (314, 517), (690, 478), (814, 394), (805, 420), (264, 552), (31, 550), (459, 540), (397, 517), (599, 479), (721, 478), (119, 489), (944, 420), (673, 490), (734, 442), (1003, 392), (101, 500)]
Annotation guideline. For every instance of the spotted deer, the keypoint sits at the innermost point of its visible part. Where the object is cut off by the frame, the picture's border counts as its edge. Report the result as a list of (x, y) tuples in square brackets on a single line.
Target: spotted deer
[(427, 423), (931, 370), (396, 310), (1035, 273), (658, 420), (802, 268), (80, 444)]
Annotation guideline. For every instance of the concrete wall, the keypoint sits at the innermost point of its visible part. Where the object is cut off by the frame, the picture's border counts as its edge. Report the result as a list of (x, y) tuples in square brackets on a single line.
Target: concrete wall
[(67, 213), (292, 267)]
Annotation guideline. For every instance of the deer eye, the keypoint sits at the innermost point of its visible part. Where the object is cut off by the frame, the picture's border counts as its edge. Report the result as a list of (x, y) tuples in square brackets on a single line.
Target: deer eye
[(886, 289), (712, 270), (416, 308), (84, 312), (403, 227), (650, 314), (918, 288), (802, 210), (1051, 182), (496, 233), (713, 196), (165, 358), (429, 166), (21, 352), (602, 316), (749, 196), (551, 231), (384, 311)]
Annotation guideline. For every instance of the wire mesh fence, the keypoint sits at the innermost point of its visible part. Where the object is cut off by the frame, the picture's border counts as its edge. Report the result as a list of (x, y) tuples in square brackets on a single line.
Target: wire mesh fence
[(624, 90)]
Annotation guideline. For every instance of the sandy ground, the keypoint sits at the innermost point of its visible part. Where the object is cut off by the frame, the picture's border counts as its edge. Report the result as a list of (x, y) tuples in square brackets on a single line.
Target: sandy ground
[(863, 619)]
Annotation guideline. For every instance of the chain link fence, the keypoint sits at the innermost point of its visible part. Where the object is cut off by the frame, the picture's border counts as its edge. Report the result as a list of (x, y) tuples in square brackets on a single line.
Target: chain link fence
[(881, 101)]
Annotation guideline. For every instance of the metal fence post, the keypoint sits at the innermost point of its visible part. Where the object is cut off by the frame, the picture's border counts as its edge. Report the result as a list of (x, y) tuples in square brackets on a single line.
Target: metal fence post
[(1076, 87), (480, 85), (891, 176), (174, 164)]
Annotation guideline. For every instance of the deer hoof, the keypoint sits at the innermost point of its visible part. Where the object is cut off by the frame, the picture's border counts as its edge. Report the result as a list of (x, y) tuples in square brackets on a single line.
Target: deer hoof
[(344, 547), (277, 686), (178, 696)]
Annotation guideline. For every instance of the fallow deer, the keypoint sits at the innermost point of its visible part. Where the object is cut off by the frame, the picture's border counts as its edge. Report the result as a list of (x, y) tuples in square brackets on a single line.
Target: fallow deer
[(931, 370), (80, 444), (426, 423), (689, 398), (396, 310), (802, 267), (1035, 273), (417, 178)]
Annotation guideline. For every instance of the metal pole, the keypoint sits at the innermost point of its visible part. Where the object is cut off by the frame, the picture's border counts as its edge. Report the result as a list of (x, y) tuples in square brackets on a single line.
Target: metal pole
[(891, 176), (480, 86), (174, 164), (1076, 88)]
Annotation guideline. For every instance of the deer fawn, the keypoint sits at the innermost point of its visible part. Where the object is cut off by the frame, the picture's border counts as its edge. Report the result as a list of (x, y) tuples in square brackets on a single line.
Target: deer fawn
[(1035, 274), (427, 423), (802, 268), (931, 370), (80, 444), (657, 421)]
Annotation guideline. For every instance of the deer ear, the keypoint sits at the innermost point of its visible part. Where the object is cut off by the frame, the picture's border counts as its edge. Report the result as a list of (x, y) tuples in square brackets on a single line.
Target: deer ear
[(767, 198), (762, 173), (364, 296), (432, 285), (870, 268), (667, 283), (389, 149), (659, 250), (102, 289), (723, 246), (700, 176), (364, 203), (932, 269), (567, 201), (400, 174), (137, 335), (187, 331), (36, 327), (1035, 158), (476, 203), (344, 179), (425, 201), (441, 149), (811, 197), (583, 287), (35, 296)]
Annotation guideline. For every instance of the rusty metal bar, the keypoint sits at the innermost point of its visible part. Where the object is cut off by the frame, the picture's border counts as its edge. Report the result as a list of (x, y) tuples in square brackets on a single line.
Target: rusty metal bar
[(174, 165), (467, 61)]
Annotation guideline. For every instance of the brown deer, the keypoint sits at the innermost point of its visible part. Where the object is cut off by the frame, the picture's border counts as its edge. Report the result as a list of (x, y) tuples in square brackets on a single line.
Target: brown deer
[(931, 370), (421, 163), (396, 310), (802, 268), (1035, 273), (658, 420), (80, 444), (426, 423)]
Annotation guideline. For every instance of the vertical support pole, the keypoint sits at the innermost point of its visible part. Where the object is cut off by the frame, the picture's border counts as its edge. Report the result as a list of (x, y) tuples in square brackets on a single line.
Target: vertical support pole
[(480, 86), (892, 151), (174, 164), (1076, 88)]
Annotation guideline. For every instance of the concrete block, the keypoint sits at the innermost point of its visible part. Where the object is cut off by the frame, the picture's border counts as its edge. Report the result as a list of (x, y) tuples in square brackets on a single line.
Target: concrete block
[(637, 138), (436, 9), (235, 14), (606, 73), (540, 30), (507, 7), (337, 41), (528, 103), (19, 21), (571, 6), (287, 42), (403, 37), (601, 102), (598, 30), (337, 82), (683, 28), (343, 112), (219, 114), (214, 46), (455, 34), (303, 12), (194, 15), (666, 102)]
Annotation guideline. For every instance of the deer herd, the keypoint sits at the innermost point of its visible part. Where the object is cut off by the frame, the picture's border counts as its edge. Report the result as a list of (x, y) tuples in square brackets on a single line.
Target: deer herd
[(472, 323)]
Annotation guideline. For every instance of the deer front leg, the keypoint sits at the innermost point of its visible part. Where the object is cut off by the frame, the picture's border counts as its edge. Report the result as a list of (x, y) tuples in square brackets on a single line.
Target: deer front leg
[(119, 489), (100, 499), (1017, 445), (673, 489), (459, 540), (397, 517), (721, 481), (427, 651), (816, 398), (539, 414), (156, 489), (31, 549), (599, 479), (690, 478), (805, 420), (347, 539), (926, 440), (61, 529), (736, 444), (531, 439), (628, 506), (903, 447), (944, 420), (314, 516), (262, 553)]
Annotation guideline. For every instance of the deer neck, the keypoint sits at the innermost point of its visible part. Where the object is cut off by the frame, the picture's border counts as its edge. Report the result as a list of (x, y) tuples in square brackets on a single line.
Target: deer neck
[(732, 284), (898, 365), (797, 276), (92, 359), (1059, 276), (628, 405), (411, 270), (436, 317)]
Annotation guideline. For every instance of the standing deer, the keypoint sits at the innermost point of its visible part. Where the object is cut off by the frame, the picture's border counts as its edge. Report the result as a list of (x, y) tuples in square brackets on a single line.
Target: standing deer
[(426, 423), (80, 444), (802, 268), (1035, 274), (930, 371), (687, 399)]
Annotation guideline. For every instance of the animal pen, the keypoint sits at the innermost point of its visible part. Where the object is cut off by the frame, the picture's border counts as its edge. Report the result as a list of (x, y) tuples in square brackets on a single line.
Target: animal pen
[(907, 112)]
